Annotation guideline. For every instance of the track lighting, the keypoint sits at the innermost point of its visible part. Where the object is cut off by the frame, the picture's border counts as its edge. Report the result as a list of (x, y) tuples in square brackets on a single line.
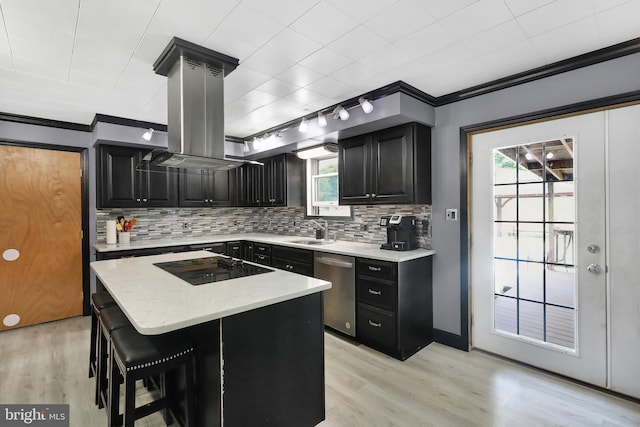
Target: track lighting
[(549, 155), (147, 134), (340, 112), (322, 120), (303, 125), (366, 105), (528, 156)]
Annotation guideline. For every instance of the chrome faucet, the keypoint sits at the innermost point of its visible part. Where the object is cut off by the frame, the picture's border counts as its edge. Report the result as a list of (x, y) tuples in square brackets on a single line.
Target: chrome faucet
[(325, 227)]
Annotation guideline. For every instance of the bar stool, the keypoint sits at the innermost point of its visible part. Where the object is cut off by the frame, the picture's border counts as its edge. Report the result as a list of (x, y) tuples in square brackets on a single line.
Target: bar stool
[(99, 301), (110, 319), (135, 356)]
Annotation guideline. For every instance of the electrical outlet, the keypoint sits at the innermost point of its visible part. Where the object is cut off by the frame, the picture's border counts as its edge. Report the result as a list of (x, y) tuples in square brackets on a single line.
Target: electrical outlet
[(451, 214)]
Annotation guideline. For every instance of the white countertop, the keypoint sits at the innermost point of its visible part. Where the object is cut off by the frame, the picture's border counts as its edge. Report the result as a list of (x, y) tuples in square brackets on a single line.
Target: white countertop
[(156, 301), (363, 250)]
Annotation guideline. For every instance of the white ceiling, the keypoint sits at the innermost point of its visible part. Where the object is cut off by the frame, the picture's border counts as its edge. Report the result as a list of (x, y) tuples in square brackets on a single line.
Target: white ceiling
[(70, 59)]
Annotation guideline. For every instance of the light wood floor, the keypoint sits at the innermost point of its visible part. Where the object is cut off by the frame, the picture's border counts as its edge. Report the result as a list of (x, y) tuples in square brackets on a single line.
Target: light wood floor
[(439, 386)]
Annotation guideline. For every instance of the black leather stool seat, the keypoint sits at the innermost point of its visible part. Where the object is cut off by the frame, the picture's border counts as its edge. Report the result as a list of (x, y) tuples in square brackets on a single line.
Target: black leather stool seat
[(110, 319), (99, 301), (135, 356)]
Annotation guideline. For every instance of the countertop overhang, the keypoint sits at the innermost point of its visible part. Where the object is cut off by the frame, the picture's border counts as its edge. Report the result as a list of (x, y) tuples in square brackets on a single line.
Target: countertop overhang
[(364, 250), (157, 302)]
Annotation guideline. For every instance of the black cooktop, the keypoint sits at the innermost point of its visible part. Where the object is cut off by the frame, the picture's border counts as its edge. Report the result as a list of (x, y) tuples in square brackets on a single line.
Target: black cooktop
[(199, 271)]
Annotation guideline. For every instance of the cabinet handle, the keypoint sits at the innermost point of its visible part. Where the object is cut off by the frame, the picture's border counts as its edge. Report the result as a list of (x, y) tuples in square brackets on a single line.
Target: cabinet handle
[(261, 257), (372, 268), (373, 194), (260, 248), (138, 200), (235, 248), (144, 200), (367, 195), (374, 324), (372, 292)]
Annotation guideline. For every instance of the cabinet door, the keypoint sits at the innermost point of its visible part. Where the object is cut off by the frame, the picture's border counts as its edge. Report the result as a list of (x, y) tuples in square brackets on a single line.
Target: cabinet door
[(234, 249), (193, 188), (249, 185), (354, 170), (221, 186), (275, 182), (158, 186), (392, 164), (117, 178)]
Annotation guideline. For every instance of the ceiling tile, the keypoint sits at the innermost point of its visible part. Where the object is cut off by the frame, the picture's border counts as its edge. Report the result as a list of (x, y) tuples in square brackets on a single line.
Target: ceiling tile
[(619, 24), (602, 5), (506, 61), (277, 87), (299, 75), (269, 63), (440, 9), (354, 73), (399, 20), (358, 43), (554, 15), (328, 87), (245, 25), (256, 99), (476, 18), (390, 56), (324, 23), (495, 38), (520, 7), (582, 36), (196, 13), (324, 61), (362, 10), (241, 81), (283, 11), (303, 96), (429, 39), (292, 45)]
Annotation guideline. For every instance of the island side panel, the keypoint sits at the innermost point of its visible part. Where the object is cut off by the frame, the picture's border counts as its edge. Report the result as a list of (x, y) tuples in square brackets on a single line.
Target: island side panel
[(206, 339), (274, 365)]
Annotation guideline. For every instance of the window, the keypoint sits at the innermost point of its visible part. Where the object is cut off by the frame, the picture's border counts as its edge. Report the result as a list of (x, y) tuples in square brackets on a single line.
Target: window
[(322, 188)]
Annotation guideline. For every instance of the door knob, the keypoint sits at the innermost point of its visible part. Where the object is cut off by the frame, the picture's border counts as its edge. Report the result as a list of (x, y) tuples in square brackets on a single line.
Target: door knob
[(593, 249), (594, 268)]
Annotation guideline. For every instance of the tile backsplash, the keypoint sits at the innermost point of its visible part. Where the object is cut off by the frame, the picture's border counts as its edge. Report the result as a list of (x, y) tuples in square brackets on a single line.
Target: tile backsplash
[(162, 223)]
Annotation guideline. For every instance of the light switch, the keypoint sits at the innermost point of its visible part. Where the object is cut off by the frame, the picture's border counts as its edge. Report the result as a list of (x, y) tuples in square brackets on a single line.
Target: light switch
[(451, 214)]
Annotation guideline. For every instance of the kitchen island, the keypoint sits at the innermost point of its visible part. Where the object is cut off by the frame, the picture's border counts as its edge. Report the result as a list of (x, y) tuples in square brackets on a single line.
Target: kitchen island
[(259, 339)]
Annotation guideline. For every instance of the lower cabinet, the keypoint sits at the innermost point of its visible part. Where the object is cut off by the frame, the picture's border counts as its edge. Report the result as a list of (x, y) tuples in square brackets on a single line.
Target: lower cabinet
[(261, 253), (234, 249), (292, 259), (394, 305)]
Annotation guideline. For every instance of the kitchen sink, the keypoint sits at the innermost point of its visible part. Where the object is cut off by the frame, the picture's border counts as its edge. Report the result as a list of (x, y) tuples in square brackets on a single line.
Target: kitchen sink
[(310, 242)]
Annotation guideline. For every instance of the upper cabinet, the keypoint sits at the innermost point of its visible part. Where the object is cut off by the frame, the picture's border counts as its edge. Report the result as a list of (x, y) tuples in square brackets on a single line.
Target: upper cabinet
[(120, 184), (201, 188), (391, 166), (278, 182)]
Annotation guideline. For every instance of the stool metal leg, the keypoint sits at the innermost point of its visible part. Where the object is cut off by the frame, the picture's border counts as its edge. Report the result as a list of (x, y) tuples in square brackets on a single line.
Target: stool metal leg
[(92, 350)]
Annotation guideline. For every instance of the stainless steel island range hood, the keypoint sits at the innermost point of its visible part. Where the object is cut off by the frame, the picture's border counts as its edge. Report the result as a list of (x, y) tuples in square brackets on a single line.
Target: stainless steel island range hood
[(195, 107)]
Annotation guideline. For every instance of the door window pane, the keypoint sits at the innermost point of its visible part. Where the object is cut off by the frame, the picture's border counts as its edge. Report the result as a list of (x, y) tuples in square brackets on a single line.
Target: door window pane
[(533, 241)]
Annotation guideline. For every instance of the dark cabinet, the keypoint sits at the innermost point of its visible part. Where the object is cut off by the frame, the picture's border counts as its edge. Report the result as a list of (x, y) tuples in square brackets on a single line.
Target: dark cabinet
[(278, 182), (234, 249), (292, 259), (391, 166), (201, 188), (121, 183), (247, 251), (262, 253), (394, 305)]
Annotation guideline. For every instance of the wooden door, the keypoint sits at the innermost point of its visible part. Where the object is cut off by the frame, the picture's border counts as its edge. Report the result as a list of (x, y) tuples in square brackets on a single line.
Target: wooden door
[(40, 236)]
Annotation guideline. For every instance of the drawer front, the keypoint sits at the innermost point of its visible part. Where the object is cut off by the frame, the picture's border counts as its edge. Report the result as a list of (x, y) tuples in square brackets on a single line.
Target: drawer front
[(379, 293), (262, 259), (292, 266), (378, 269), (261, 249), (376, 326), (293, 254), (234, 249)]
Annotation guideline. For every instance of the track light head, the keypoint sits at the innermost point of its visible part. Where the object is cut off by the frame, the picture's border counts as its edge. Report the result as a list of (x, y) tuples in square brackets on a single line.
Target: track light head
[(366, 105), (303, 125), (322, 120), (147, 135), (340, 112)]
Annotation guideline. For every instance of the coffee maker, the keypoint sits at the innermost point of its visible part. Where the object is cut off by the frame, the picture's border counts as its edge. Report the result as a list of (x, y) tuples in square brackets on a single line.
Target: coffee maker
[(401, 232)]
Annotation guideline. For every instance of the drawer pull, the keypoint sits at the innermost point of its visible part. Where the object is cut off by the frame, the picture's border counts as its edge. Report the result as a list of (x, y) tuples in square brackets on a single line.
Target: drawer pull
[(372, 268), (373, 292), (374, 324)]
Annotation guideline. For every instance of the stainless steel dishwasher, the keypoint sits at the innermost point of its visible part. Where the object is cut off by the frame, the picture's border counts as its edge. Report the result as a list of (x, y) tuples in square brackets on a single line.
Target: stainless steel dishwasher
[(340, 300)]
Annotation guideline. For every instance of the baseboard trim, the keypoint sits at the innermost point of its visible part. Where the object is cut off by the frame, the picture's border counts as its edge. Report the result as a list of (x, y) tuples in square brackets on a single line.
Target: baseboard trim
[(451, 340)]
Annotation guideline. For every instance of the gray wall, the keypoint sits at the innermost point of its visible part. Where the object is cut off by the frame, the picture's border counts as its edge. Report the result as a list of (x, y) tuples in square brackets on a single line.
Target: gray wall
[(597, 81)]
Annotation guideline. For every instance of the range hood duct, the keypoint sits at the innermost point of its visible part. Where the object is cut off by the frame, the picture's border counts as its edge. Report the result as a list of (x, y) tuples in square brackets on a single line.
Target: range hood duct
[(195, 107)]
